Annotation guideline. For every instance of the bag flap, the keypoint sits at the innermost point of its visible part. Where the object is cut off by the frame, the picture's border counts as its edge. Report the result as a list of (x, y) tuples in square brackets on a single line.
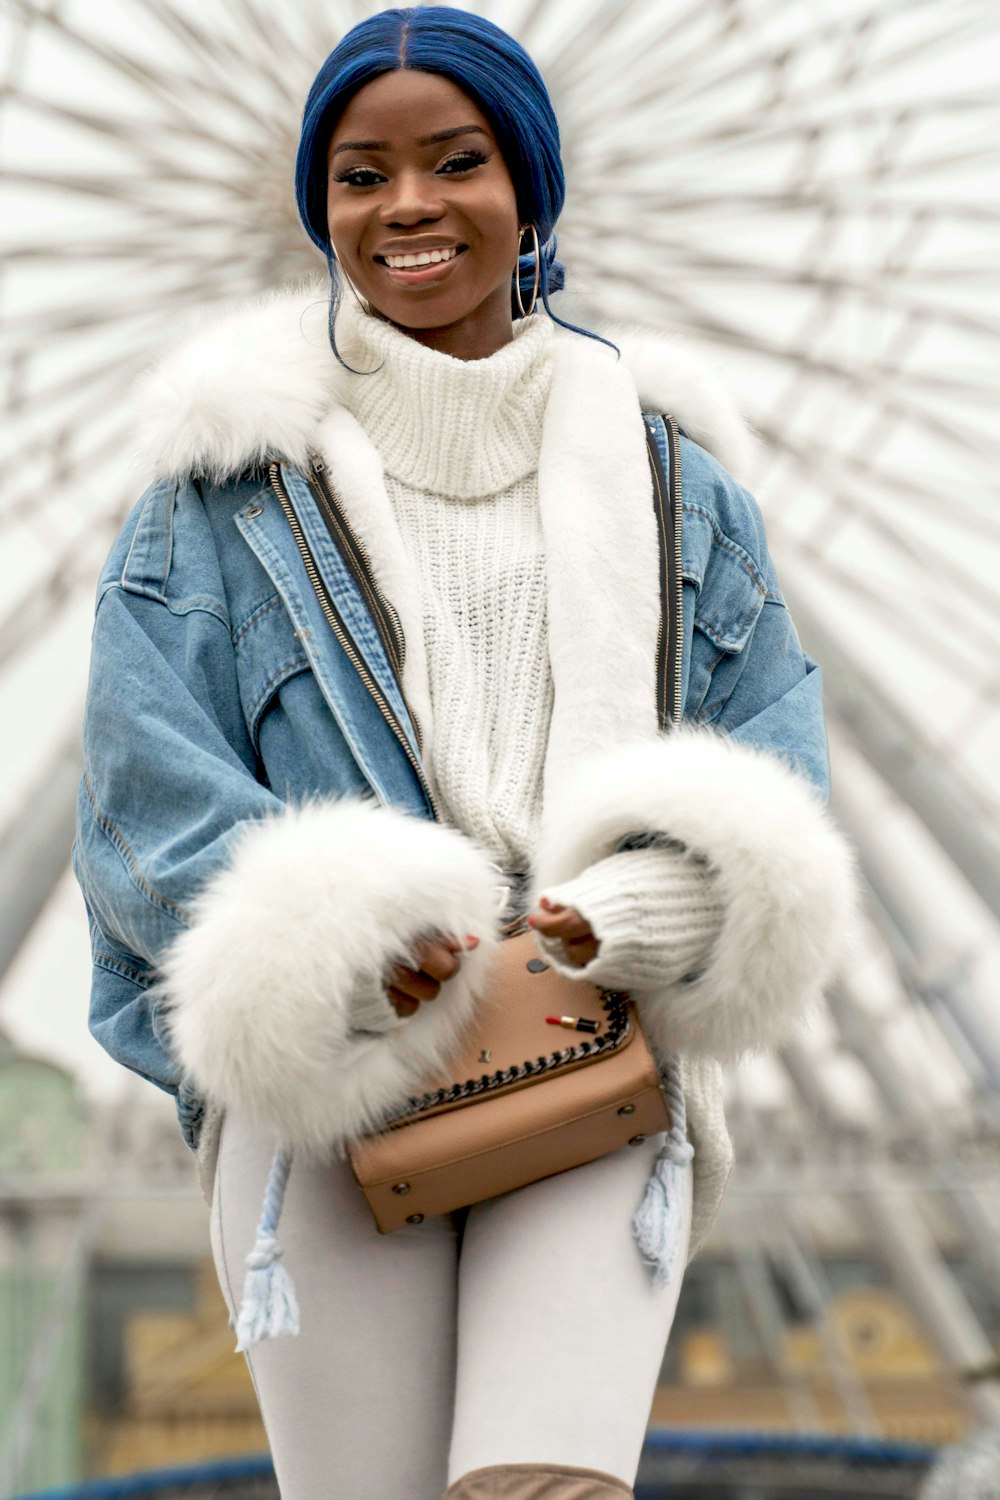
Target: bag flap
[(509, 1042)]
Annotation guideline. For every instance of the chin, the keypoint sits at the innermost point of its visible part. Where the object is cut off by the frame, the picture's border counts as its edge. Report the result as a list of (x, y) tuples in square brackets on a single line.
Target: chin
[(424, 314)]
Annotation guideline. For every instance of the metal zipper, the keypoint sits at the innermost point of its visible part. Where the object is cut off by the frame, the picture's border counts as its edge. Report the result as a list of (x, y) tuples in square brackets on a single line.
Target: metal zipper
[(386, 620), (677, 582), (357, 558), (667, 503), (342, 634)]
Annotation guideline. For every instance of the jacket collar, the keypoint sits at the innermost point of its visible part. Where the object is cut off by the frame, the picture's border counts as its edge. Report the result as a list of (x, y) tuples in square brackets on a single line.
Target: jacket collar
[(257, 380), (262, 381)]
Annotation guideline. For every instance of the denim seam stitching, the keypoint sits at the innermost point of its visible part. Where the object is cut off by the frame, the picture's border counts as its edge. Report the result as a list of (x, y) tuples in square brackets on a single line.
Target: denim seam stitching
[(126, 566), (278, 676), (122, 969), (712, 632), (745, 559), (704, 708), (128, 858), (255, 616), (194, 603)]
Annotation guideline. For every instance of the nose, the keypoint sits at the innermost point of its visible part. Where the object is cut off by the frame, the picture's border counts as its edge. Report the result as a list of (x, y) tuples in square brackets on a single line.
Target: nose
[(412, 201)]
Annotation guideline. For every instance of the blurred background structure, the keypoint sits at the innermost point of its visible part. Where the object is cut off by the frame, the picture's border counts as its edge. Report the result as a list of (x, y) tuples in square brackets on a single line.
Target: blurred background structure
[(811, 192)]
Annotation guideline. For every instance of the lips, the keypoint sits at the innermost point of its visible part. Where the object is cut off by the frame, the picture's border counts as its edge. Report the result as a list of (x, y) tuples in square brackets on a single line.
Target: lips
[(439, 247), (418, 276)]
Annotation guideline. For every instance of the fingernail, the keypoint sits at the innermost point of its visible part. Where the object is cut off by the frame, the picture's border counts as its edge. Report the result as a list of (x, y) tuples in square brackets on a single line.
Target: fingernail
[(471, 941), (531, 922), (544, 901)]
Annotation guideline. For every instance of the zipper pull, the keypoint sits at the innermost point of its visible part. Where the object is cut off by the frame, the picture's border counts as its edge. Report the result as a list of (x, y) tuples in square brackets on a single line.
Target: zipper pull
[(318, 466)]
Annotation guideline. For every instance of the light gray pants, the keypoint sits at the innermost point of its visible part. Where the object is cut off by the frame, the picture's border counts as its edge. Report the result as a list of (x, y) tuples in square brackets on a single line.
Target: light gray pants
[(523, 1330)]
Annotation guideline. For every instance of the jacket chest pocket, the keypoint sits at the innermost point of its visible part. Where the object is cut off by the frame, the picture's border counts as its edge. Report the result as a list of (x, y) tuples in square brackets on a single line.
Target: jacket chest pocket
[(269, 653), (722, 604)]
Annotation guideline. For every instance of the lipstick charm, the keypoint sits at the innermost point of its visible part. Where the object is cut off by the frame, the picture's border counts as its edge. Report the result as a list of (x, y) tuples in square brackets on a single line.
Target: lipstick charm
[(573, 1023)]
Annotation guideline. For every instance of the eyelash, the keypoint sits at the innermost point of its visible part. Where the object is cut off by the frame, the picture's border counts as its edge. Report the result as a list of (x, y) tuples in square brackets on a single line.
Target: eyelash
[(477, 158)]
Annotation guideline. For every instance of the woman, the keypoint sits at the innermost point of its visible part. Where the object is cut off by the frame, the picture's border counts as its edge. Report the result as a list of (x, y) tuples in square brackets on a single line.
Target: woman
[(332, 700)]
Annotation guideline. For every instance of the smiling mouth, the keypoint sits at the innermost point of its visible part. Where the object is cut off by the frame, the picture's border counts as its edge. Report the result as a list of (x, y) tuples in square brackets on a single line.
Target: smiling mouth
[(409, 260), (420, 269)]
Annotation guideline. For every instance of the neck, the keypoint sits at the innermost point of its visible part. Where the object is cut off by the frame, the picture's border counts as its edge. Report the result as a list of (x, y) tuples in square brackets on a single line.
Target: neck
[(476, 336), (454, 427)]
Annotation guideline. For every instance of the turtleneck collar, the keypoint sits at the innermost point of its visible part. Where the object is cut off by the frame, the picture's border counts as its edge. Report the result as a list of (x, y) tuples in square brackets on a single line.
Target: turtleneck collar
[(457, 428)]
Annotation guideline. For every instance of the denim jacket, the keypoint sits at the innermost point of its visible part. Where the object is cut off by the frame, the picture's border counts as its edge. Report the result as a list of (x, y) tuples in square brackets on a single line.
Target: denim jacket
[(221, 697)]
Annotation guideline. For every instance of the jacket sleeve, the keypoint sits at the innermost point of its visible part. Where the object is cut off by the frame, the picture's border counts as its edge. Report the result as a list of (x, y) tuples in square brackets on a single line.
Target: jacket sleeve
[(264, 926), (742, 784)]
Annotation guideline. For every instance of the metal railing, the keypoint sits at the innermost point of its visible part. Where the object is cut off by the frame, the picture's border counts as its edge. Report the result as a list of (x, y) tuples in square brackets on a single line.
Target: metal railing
[(699, 1465)]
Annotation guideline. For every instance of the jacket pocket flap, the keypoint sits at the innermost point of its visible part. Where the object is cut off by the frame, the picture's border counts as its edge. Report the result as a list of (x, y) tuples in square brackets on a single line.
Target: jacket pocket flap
[(731, 596), (268, 652)]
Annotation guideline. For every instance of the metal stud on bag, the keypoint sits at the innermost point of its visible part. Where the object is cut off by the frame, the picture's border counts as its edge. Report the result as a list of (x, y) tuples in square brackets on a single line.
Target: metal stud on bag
[(427, 1138), (615, 1003)]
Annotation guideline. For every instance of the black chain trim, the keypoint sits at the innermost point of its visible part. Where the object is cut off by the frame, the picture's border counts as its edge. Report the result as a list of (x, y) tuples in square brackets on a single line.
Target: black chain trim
[(614, 1002)]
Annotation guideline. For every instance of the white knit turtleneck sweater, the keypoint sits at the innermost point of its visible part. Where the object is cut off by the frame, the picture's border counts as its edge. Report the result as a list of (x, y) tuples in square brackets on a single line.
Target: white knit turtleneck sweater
[(459, 441)]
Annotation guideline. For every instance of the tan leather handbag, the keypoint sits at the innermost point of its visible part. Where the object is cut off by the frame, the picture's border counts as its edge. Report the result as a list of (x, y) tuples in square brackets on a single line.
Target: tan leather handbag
[(512, 1108), (517, 1105)]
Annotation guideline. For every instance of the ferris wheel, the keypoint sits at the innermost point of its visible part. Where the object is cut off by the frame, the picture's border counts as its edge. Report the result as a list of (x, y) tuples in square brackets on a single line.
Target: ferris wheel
[(810, 192)]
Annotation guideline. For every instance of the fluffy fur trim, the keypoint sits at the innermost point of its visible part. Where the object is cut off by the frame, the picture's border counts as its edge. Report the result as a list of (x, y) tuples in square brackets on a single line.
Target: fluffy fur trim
[(786, 874), (672, 374), (257, 379), (235, 388), (354, 468), (596, 510), (314, 901)]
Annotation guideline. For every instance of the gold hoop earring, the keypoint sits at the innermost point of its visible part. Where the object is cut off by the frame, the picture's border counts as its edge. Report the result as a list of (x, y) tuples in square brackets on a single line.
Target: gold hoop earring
[(517, 280), (364, 305)]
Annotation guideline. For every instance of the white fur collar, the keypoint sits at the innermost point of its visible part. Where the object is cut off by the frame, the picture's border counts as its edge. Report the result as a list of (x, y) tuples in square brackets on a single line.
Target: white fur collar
[(263, 379), (260, 377)]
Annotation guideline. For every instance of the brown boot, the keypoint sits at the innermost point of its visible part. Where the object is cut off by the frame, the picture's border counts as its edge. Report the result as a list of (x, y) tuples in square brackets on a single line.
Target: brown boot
[(538, 1482)]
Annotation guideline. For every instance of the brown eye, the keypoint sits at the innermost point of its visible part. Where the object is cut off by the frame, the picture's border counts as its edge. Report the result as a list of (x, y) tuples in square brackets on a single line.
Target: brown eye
[(359, 177), (464, 161)]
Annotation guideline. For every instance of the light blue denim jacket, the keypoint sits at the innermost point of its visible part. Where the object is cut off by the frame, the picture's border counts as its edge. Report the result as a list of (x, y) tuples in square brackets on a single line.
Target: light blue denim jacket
[(218, 692)]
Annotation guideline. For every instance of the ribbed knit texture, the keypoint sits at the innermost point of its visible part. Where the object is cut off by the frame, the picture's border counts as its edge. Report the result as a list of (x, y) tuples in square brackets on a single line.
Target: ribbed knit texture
[(655, 911), (459, 441), (457, 428), (371, 1008)]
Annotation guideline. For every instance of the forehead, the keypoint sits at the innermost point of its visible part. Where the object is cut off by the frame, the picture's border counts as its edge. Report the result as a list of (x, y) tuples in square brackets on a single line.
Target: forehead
[(400, 106)]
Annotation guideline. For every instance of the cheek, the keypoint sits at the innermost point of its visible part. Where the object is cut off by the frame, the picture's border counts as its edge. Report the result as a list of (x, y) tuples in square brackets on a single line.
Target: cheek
[(344, 224), (499, 224)]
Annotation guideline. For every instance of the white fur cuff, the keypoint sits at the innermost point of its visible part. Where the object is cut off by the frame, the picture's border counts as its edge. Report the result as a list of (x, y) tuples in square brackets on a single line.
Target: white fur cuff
[(313, 906), (786, 876)]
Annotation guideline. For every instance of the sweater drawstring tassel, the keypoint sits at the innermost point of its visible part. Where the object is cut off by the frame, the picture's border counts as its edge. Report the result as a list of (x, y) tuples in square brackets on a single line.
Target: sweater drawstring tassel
[(657, 1221), (269, 1307)]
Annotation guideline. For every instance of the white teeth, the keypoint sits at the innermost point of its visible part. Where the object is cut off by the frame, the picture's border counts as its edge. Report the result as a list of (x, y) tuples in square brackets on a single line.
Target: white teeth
[(425, 258)]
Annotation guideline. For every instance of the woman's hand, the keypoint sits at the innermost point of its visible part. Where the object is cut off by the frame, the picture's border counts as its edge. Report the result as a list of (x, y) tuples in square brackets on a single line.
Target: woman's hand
[(551, 920), (436, 960)]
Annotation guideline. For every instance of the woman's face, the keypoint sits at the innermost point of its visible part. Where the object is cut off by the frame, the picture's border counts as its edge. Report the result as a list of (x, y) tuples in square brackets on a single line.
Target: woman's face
[(414, 167)]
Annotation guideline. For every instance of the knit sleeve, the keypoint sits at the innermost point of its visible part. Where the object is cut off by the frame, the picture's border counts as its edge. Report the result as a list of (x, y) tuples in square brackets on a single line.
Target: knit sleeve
[(655, 911), (370, 1007)]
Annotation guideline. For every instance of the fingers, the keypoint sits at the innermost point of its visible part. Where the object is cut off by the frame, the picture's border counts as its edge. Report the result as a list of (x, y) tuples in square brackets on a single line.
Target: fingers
[(580, 951), (554, 921), (434, 961), (561, 922), (401, 1004)]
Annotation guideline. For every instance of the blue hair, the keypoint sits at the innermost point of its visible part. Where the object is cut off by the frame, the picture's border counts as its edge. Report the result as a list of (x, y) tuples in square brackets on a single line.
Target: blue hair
[(495, 71)]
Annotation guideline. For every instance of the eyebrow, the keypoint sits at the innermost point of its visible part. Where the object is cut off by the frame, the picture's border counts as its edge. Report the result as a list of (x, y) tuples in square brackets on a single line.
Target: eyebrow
[(423, 140)]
